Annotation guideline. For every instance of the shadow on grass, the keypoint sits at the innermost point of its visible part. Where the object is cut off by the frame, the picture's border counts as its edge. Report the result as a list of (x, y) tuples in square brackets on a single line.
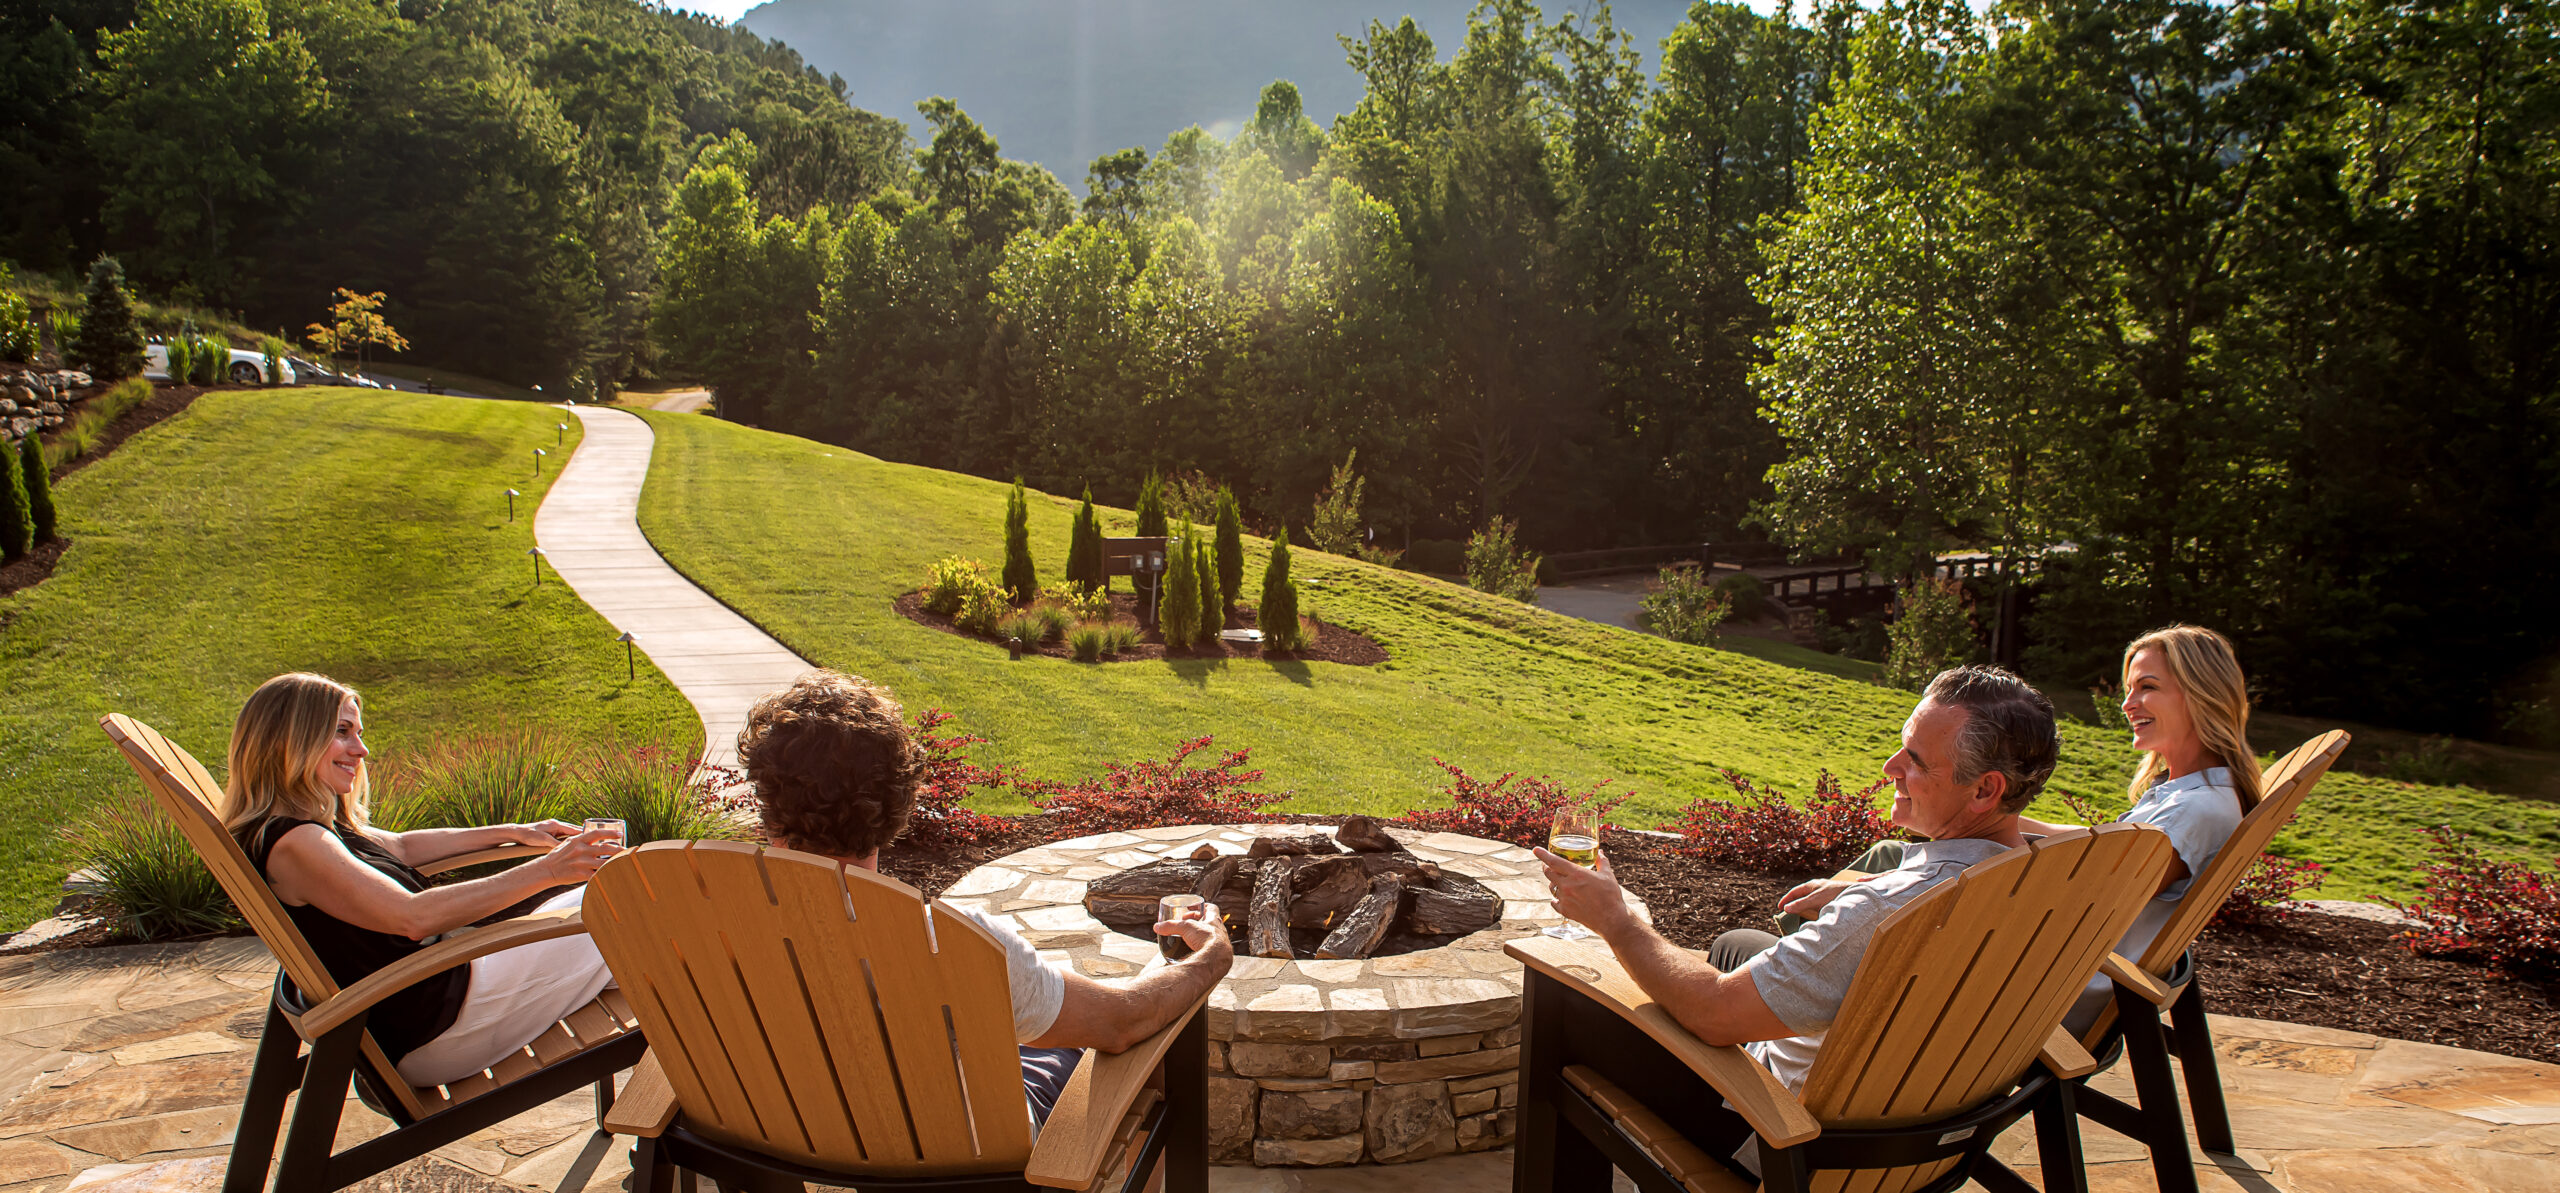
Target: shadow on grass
[(1196, 672), (1295, 671)]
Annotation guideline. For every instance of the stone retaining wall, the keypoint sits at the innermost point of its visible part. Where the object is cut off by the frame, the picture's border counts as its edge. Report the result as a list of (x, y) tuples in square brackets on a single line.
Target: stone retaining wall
[(1346, 1101)]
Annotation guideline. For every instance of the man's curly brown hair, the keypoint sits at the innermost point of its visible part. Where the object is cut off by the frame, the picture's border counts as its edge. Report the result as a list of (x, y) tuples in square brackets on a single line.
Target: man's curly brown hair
[(834, 767)]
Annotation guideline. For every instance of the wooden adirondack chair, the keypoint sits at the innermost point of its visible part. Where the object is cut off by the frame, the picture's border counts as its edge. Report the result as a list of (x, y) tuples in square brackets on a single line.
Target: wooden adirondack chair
[(812, 1021), (587, 1048), (1960, 994), (2164, 978)]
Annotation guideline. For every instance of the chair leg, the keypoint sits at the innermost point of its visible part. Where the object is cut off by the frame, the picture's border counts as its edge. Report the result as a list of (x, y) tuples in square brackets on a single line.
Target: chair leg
[(604, 1097), (2164, 1123), (1186, 1112), (325, 1077), (2204, 1073), (2058, 1142), (649, 1171), (1548, 1155), (272, 1078)]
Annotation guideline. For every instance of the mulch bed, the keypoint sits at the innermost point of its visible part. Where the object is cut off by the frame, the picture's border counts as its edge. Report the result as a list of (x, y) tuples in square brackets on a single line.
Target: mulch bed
[(36, 566), (2319, 970), (1332, 643)]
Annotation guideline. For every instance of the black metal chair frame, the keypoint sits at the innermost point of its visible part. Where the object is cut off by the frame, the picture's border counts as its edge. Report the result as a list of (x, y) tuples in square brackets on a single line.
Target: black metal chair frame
[(2158, 1122), (1176, 1128), (1568, 1144), (323, 1075)]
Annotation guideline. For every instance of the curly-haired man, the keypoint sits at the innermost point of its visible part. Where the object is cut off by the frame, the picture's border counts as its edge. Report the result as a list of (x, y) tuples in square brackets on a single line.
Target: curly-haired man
[(835, 770)]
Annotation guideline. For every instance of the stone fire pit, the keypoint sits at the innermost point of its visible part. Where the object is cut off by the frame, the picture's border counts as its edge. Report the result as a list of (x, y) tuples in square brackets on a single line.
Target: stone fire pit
[(1377, 1060)]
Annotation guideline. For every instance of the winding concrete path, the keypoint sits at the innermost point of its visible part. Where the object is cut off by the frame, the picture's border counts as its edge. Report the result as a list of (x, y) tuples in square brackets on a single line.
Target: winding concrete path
[(589, 532)]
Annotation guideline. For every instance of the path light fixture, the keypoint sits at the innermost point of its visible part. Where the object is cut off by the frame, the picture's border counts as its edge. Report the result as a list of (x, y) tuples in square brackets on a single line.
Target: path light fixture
[(630, 664), (563, 437), (538, 453), (511, 504), (536, 553)]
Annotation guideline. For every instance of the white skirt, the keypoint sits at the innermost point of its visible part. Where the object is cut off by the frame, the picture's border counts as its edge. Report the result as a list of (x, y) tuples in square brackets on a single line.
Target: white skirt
[(515, 996)]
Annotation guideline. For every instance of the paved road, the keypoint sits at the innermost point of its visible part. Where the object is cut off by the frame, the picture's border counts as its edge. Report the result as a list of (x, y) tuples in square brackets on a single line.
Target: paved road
[(683, 401), (589, 531)]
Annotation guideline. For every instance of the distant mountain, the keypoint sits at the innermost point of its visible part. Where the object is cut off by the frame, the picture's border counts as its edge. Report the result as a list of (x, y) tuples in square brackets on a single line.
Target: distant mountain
[(1061, 82)]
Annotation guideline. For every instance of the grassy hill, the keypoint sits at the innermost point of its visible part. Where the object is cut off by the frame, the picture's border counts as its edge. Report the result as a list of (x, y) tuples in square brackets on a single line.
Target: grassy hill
[(814, 542), (356, 533)]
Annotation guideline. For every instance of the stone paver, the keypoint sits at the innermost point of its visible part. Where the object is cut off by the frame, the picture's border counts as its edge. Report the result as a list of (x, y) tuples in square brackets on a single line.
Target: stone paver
[(589, 532), (121, 1071)]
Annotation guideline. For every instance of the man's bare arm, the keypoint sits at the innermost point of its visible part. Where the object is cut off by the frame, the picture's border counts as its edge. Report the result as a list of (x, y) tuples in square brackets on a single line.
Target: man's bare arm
[(1717, 1007), (1115, 1016)]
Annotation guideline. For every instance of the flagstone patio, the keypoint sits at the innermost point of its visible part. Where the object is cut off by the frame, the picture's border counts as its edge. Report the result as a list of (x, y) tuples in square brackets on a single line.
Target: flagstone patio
[(115, 1061)]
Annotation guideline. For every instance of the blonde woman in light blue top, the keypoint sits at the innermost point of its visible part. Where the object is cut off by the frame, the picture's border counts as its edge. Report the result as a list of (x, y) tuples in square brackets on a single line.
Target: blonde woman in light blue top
[(2188, 704)]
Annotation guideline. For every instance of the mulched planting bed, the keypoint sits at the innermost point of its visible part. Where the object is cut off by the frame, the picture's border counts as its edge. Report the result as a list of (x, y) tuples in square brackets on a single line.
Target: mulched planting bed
[(35, 566), (1332, 644), (2320, 970)]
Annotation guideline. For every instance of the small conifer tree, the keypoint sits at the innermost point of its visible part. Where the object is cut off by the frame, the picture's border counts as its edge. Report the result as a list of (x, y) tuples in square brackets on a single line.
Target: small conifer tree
[(17, 531), (1230, 552), (110, 341), (1278, 615), (1020, 578), (1151, 507), (1204, 562), (39, 488), (1084, 547), (1179, 616)]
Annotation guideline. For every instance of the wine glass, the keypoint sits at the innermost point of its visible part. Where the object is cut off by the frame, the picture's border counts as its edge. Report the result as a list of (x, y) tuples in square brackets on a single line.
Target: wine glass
[(1575, 837)]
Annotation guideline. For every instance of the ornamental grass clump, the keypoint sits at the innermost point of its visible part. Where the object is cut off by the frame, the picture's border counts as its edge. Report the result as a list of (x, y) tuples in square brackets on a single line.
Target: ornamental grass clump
[(1158, 792), (1120, 637), (1026, 628), (1085, 642), (1765, 832), (1511, 808), (1054, 621), (147, 875), (514, 776), (2478, 909), (653, 790)]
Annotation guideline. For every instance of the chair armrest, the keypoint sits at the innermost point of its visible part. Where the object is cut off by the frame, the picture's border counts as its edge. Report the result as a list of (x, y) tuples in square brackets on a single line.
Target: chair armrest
[(2131, 976), (1078, 1136), (495, 853), (647, 1104), (329, 1013), (1771, 1109), (2065, 1057)]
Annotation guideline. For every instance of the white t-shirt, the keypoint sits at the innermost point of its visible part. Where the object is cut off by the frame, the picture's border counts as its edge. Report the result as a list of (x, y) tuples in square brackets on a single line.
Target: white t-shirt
[(1038, 991), (2199, 811)]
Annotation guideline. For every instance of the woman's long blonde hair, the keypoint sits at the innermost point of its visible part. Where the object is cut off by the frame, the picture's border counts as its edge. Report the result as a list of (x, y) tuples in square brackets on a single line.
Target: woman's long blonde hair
[(276, 749), (2208, 673)]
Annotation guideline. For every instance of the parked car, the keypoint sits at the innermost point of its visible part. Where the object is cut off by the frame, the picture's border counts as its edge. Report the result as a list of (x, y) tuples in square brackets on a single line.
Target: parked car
[(246, 368), (314, 374)]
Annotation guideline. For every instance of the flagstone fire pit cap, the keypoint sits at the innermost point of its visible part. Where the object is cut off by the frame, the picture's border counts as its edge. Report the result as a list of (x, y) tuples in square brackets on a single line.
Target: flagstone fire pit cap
[(1467, 985)]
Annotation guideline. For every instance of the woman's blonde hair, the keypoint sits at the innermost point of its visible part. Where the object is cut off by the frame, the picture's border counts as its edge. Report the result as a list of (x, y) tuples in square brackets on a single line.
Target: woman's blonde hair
[(276, 751), (2208, 673)]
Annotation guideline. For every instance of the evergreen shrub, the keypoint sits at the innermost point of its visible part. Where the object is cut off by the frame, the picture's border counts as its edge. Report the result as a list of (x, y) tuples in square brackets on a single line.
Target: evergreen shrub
[(1230, 552), (109, 339), (39, 489), (1747, 598), (950, 581), (1151, 507), (1178, 618), (1020, 578), (1084, 547), (1447, 557), (17, 527), (1686, 608), (1204, 564), (1277, 615), (983, 608), (212, 359), (179, 355)]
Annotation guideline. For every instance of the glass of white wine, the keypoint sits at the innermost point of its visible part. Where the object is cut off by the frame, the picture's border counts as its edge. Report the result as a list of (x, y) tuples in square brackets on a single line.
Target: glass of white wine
[(1575, 837)]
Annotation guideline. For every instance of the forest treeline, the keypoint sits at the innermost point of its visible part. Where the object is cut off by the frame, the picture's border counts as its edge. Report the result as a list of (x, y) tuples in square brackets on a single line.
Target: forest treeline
[(2237, 312)]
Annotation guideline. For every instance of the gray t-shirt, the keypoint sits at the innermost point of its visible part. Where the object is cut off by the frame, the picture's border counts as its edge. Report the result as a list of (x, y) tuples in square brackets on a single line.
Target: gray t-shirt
[(1038, 990), (1805, 976)]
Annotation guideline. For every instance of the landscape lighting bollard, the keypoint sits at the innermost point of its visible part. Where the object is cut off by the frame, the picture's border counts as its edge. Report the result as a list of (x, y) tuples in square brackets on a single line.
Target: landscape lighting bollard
[(536, 553), (630, 664), (511, 505), (538, 453), (563, 437)]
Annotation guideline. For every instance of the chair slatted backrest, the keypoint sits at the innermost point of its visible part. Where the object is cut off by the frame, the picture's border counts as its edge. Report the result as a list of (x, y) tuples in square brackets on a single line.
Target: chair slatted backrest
[(1959, 988), (188, 795), (814, 1011), (2287, 783)]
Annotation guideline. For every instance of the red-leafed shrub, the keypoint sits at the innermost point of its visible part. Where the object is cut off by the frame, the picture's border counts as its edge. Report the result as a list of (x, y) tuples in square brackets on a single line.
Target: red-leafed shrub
[(2479, 909), (939, 821), (1158, 792), (2267, 891), (1765, 832), (1510, 808)]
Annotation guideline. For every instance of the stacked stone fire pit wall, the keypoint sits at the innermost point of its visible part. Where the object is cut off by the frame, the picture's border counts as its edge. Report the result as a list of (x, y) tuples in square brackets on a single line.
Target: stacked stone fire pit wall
[(1378, 1060)]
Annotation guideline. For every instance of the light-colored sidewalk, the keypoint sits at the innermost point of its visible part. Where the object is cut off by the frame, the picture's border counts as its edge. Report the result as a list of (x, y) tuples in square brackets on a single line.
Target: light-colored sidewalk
[(114, 1061), (589, 532)]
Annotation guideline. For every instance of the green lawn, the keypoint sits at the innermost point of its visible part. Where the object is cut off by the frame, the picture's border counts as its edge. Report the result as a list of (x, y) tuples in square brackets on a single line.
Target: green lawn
[(357, 533), (813, 543)]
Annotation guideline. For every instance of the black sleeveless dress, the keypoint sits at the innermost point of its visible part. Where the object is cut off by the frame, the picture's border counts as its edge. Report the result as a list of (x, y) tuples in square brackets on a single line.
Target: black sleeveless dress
[(408, 1018)]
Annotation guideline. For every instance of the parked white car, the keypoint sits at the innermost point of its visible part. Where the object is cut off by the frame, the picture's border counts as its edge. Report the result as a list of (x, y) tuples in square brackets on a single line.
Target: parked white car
[(246, 368)]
